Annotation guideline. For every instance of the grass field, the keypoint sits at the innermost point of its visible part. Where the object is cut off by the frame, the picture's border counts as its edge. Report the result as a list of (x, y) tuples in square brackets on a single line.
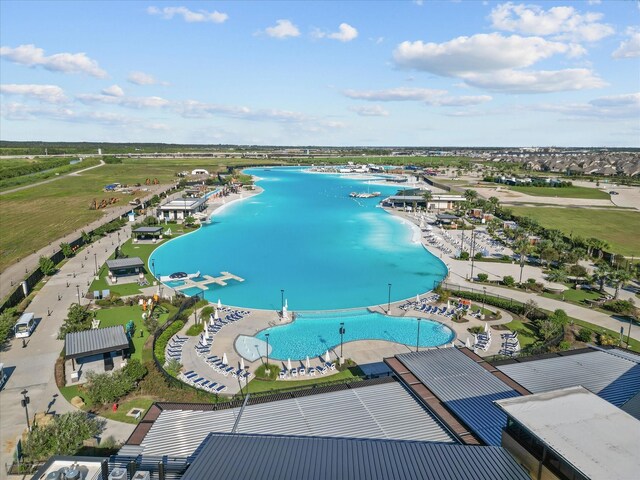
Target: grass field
[(621, 229), (563, 192), (573, 296), (34, 217), (526, 334)]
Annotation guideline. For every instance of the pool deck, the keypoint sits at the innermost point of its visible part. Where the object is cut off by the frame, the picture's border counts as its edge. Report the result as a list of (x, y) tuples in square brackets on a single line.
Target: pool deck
[(363, 352), (202, 284)]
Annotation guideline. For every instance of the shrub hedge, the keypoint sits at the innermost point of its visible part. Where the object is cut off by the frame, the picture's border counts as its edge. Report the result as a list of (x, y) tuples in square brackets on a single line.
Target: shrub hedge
[(163, 339)]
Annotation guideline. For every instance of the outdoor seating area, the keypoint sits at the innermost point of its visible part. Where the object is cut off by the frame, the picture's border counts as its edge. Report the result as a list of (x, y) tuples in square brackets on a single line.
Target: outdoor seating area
[(289, 372), (510, 344), (198, 381), (424, 305), (482, 340), (174, 348), (215, 324)]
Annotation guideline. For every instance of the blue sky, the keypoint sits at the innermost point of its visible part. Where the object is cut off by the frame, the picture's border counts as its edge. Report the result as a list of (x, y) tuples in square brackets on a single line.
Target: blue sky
[(466, 73)]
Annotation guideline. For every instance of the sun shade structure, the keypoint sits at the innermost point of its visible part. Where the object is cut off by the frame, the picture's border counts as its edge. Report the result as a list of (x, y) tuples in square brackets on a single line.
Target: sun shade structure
[(464, 387), (124, 263), (315, 458), (95, 341)]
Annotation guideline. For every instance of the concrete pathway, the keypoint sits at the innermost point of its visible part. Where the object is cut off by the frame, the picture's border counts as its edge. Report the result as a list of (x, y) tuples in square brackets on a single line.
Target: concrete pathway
[(53, 179), (32, 368)]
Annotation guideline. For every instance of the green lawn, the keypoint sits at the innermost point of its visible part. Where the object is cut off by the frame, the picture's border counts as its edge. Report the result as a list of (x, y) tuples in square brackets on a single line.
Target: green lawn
[(120, 316), (633, 343), (526, 334), (256, 385), (621, 229), (564, 192), (573, 296)]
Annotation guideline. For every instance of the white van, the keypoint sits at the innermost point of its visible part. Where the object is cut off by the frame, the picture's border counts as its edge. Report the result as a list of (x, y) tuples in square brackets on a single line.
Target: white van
[(25, 325)]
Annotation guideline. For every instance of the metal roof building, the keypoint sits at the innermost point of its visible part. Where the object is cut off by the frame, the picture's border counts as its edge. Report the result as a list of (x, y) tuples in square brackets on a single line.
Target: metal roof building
[(465, 388), (613, 375), (120, 263), (225, 456), (384, 409), (577, 433), (95, 341)]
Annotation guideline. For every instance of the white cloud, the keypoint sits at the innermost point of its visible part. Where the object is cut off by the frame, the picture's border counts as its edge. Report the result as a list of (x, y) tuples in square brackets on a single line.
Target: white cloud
[(542, 81), (594, 2), (418, 2), (141, 78), (189, 15), (565, 23), (33, 56), (615, 106), (629, 48), (370, 111), (128, 102), (42, 93), (113, 91), (345, 33), (426, 95), (478, 53), (282, 29)]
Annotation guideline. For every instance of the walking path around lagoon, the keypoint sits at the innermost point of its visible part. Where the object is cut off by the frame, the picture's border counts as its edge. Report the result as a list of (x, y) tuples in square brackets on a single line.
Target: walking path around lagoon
[(459, 272)]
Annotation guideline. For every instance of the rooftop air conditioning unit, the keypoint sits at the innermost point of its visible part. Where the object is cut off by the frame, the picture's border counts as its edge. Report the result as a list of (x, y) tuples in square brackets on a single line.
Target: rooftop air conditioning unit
[(118, 474), (142, 475)]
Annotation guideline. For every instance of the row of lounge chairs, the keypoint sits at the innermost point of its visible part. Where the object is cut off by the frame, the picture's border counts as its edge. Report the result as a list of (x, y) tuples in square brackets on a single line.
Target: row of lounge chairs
[(174, 348), (482, 341), (203, 347), (423, 302), (198, 381), (224, 369), (510, 344), (302, 371)]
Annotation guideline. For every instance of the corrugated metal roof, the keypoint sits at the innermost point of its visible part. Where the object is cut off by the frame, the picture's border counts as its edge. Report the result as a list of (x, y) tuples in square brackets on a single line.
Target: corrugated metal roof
[(379, 411), (632, 407), (98, 340), (608, 374), (147, 230), (124, 263), (466, 388), (316, 458)]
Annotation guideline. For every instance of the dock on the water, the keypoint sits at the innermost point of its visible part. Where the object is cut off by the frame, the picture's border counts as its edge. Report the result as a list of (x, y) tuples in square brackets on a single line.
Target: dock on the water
[(208, 280)]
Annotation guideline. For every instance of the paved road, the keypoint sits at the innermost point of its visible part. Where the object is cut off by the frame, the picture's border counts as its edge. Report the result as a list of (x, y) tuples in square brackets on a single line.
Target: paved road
[(53, 179), (33, 367), (19, 270)]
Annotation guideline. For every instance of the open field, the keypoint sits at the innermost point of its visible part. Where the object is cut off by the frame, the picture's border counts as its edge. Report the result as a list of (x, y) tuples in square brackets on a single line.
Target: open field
[(10, 169), (621, 229), (563, 192), (34, 217)]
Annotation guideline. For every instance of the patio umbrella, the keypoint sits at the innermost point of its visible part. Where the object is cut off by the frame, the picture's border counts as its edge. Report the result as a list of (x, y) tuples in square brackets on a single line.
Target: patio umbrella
[(417, 297), (308, 363), (206, 333), (286, 303), (215, 315), (241, 363), (327, 357), (467, 343), (448, 304), (289, 364), (284, 312), (486, 327), (219, 304), (224, 358)]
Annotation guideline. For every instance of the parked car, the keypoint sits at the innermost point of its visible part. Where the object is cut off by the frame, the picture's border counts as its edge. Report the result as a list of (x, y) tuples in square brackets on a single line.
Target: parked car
[(613, 192)]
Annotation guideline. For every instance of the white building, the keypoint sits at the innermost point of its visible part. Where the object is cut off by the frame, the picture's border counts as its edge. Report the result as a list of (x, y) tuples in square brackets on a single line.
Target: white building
[(181, 208), (199, 171)]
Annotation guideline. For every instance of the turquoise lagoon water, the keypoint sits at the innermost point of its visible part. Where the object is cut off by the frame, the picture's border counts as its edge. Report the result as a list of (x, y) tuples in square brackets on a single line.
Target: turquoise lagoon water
[(304, 235), (314, 333)]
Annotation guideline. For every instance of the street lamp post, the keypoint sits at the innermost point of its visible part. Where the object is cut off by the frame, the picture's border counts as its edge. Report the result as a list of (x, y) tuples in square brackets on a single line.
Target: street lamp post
[(473, 251), (78, 292), (484, 294), (24, 402), (282, 300), (342, 332), (95, 261), (418, 337), (267, 371), (389, 300)]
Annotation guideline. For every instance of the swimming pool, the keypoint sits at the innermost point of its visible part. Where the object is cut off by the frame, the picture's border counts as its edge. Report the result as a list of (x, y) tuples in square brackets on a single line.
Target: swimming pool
[(313, 334), (306, 236), (174, 283)]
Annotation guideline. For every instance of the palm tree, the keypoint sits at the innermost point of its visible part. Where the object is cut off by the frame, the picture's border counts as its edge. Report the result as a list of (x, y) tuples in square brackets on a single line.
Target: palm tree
[(522, 247), (470, 195), (601, 246), (602, 274), (558, 275), (493, 204), (428, 196), (620, 278)]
